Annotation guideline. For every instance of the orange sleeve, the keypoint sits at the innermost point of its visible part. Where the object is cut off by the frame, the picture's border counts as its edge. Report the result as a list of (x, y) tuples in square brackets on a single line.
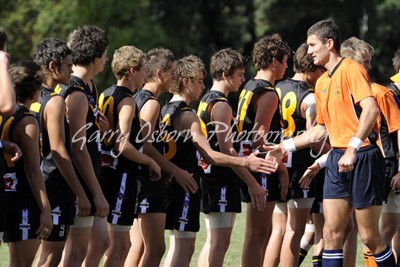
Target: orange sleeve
[(358, 80), (388, 106)]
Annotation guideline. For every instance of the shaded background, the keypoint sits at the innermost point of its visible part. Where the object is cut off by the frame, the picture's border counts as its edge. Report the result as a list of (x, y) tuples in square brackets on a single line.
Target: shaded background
[(202, 27)]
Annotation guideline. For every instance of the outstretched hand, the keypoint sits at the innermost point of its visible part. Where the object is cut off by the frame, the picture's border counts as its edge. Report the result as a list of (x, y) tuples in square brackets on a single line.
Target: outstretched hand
[(256, 164), (309, 175), (275, 151)]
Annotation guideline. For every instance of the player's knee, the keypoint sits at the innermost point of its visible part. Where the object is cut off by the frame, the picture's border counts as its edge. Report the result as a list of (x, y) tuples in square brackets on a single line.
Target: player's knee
[(220, 247), (332, 235), (157, 250), (371, 241)]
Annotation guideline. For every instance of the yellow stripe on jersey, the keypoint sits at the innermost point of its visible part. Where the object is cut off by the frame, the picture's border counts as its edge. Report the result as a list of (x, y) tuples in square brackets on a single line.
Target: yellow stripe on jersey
[(244, 100)]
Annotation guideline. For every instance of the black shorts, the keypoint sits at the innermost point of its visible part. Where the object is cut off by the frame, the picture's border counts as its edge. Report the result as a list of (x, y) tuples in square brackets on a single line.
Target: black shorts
[(217, 197), (62, 217), (319, 189), (152, 196), (364, 185), (270, 183), (22, 224), (59, 233), (120, 189), (183, 209)]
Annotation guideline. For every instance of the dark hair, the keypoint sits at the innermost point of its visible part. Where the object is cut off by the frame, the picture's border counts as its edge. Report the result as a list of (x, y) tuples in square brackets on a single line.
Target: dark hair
[(158, 58), (225, 61), (51, 49), (326, 29), (268, 48), (87, 43), (27, 79), (3, 39), (302, 62)]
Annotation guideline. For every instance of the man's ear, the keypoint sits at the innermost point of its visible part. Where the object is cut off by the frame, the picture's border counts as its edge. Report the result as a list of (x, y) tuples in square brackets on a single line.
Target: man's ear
[(52, 66), (159, 74), (185, 81), (224, 75), (330, 43)]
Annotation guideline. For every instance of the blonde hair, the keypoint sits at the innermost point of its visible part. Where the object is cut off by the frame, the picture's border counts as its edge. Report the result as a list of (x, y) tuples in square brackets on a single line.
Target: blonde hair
[(355, 49), (186, 68), (127, 57)]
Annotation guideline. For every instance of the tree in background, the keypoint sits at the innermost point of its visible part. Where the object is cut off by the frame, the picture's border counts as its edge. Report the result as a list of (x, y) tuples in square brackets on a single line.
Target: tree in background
[(201, 27)]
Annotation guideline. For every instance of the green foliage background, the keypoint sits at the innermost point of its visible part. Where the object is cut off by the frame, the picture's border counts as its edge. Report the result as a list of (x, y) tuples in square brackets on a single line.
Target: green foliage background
[(201, 27)]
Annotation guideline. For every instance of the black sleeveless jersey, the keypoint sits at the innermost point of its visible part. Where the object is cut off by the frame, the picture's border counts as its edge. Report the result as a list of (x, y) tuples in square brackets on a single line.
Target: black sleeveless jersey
[(17, 188), (291, 94), (246, 113), (141, 97), (180, 149), (388, 140), (209, 129), (93, 140), (57, 188), (108, 103)]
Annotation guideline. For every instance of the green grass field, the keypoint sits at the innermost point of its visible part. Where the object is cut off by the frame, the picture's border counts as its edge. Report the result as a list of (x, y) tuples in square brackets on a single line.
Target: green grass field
[(233, 256)]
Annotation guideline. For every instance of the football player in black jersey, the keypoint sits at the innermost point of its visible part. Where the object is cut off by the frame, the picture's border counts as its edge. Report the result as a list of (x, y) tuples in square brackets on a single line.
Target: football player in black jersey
[(62, 184)]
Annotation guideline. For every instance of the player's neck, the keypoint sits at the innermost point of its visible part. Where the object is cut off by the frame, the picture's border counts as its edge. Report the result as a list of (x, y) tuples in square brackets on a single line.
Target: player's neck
[(153, 87), (265, 75), (334, 59), (126, 83), (84, 73), (221, 87), (181, 97)]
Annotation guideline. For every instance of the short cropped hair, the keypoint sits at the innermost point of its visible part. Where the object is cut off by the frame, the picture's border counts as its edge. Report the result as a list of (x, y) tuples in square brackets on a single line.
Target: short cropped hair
[(27, 79), (302, 62), (324, 30), (127, 57), (268, 48), (225, 61), (87, 43), (186, 68), (158, 58)]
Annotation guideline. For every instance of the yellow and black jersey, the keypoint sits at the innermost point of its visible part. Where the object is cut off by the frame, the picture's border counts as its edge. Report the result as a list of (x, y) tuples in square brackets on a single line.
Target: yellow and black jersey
[(141, 97), (180, 149), (246, 113), (17, 188), (57, 188), (108, 104), (210, 128), (291, 94), (92, 126)]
